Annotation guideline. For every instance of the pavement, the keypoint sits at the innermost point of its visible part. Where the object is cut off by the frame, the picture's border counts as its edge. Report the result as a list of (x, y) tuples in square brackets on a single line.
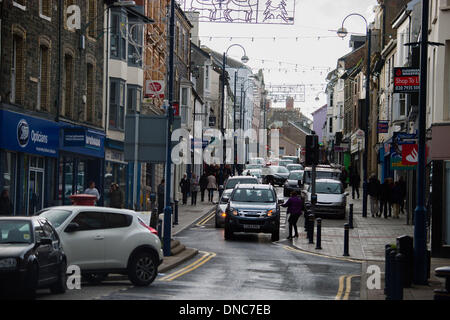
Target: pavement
[(367, 241), (187, 214)]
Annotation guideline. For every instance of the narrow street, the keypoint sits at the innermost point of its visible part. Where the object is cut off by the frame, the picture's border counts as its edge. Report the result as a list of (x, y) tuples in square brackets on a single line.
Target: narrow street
[(250, 267)]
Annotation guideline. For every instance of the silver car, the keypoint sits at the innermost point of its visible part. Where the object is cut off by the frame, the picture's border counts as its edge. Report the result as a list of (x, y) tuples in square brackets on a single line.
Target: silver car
[(221, 208), (331, 198)]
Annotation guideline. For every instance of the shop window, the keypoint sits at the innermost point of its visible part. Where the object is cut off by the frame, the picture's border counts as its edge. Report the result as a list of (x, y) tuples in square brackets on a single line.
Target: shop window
[(68, 85), (44, 78), (8, 173)]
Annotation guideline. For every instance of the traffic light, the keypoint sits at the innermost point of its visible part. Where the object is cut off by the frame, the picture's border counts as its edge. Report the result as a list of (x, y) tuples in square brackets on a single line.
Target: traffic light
[(312, 150)]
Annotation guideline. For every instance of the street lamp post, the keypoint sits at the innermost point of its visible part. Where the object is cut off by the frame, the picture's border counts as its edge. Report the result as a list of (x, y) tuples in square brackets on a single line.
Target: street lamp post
[(244, 59), (342, 32)]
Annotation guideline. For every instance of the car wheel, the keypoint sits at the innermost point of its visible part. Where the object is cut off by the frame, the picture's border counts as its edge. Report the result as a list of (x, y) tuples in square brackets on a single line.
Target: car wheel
[(276, 235), (61, 284), (228, 233), (95, 278), (31, 283), (143, 268)]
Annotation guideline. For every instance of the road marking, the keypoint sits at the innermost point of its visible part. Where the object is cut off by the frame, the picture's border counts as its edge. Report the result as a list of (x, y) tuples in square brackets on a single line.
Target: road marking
[(206, 219), (205, 258), (345, 282), (320, 255)]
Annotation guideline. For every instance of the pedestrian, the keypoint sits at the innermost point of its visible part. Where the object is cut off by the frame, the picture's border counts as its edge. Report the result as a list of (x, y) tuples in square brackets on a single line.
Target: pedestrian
[(395, 198), (203, 185), (385, 198), (212, 185), (195, 187), (92, 190), (402, 187), (116, 196), (185, 186), (295, 207), (373, 189), (160, 191), (6, 206), (343, 177), (355, 181)]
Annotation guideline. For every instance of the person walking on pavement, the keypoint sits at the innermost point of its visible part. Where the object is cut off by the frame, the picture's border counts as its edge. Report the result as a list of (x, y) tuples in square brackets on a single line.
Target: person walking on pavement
[(385, 198), (185, 186), (402, 189), (343, 177), (203, 185), (355, 181), (396, 197), (373, 190), (92, 190), (195, 187), (6, 206), (295, 207), (116, 196), (212, 185), (160, 191)]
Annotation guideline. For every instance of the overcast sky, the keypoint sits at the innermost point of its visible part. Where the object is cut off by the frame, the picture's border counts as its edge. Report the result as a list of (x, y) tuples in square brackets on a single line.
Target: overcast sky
[(313, 19)]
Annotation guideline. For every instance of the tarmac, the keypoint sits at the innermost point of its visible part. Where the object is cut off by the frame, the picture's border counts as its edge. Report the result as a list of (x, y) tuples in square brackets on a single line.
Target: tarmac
[(367, 241)]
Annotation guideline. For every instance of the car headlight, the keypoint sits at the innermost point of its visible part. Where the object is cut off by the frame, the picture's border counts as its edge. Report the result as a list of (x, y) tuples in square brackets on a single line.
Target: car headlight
[(270, 213), (234, 212), (8, 263)]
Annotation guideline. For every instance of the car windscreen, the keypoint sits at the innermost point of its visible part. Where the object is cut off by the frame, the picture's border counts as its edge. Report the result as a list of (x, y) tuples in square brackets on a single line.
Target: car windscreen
[(327, 188), (253, 195), (282, 170), (56, 216), (296, 176), (233, 182), (321, 175), (15, 231)]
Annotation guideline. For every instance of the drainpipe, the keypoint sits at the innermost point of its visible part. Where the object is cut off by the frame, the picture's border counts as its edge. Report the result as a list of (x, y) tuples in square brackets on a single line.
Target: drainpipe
[(60, 58)]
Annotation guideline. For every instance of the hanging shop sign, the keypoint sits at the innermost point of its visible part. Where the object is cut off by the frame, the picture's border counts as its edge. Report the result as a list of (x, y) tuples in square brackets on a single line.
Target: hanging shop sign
[(383, 126), (154, 89), (22, 133), (406, 80)]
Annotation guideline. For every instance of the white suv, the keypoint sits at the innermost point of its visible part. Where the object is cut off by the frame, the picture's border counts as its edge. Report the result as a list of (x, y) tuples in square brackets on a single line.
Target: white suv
[(106, 240)]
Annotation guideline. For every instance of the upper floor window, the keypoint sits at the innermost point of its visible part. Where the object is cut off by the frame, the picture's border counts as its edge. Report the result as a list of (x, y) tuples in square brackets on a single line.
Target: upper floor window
[(135, 45), (207, 77), (45, 8), (134, 97), (18, 70), (44, 78), (68, 85), (118, 48), (90, 94), (92, 18), (117, 104)]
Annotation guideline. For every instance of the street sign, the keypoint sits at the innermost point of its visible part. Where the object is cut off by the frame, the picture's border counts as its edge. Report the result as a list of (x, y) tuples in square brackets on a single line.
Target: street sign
[(406, 80)]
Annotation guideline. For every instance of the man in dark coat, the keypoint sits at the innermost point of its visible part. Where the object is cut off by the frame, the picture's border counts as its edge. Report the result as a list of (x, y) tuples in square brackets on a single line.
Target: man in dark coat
[(6, 207), (161, 189), (355, 181), (185, 186), (203, 185), (386, 198), (373, 189), (116, 196), (343, 177)]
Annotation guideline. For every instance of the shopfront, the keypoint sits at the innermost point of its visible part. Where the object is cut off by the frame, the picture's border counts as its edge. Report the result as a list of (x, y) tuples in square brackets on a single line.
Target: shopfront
[(28, 157), (81, 160), (116, 168)]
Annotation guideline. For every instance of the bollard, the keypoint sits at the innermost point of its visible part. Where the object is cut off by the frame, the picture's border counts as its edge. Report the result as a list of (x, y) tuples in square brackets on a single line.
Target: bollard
[(350, 216), (176, 213), (311, 228), (160, 229), (399, 270), (387, 270), (346, 239), (319, 234)]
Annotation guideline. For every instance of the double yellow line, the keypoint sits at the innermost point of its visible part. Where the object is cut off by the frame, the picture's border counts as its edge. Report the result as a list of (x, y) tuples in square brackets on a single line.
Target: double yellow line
[(206, 256), (341, 295), (206, 219)]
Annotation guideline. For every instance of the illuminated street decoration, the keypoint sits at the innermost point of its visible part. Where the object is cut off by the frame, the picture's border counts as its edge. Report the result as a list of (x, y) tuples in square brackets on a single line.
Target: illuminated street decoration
[(282, 92), (242, 11)]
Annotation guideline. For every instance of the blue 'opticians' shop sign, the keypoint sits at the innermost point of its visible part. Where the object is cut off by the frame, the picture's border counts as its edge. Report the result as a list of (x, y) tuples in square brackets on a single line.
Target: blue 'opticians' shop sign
[(27, 134)]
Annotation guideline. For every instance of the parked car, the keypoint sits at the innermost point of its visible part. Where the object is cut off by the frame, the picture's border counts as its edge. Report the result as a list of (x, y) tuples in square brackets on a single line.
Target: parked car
[(253, 209), (254, 173), (221, 208), (233, 181), (260, 161), (293, 183), (294, 167), (31, 257), (274, 175), (331, 198), (105, 240), (284, 163), (294, 159), (253, 166)]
